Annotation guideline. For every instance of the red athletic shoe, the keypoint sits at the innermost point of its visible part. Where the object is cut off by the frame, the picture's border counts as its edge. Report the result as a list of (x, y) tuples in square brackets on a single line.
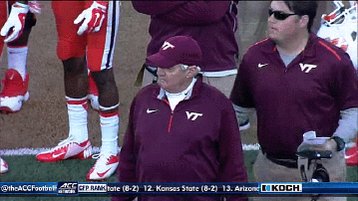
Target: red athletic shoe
[(104, 167), (14, 91), (3, 166), (66, 149), (352, 156)]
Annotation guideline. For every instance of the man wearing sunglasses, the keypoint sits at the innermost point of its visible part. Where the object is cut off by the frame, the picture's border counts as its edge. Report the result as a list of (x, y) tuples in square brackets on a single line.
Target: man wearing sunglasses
[(297, 82)]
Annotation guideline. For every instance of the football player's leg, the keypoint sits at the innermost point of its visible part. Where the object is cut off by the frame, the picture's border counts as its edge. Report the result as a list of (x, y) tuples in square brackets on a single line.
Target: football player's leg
[(71, 50), (18, 49), (100, 53), (92, 93), (16, 81)]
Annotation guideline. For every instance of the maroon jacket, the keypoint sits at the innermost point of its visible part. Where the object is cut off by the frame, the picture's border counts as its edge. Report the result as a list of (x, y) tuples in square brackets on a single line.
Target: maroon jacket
[(211, 23), (197, 142), (307, 95)]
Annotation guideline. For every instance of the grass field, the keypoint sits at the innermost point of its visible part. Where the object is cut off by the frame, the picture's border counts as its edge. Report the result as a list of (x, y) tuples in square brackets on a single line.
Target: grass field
[(27, 169)]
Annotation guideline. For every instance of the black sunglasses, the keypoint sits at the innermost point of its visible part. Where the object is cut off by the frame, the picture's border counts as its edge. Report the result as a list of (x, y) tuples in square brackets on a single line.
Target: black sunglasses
[(279, 15)]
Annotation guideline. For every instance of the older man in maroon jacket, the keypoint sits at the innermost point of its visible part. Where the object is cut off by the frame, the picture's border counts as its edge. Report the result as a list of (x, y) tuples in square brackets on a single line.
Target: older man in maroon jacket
[(181, 129)]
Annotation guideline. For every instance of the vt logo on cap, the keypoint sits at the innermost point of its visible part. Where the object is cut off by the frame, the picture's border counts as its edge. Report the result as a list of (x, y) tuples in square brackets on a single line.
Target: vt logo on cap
[(167, 45), (176, 50)]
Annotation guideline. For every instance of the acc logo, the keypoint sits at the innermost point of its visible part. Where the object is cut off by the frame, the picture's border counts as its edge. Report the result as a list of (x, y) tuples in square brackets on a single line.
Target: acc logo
[(67, 188), (280, 187)]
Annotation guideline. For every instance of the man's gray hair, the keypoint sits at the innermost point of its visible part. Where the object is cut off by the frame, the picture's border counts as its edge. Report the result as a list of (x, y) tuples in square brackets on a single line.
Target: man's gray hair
[(184, 67)]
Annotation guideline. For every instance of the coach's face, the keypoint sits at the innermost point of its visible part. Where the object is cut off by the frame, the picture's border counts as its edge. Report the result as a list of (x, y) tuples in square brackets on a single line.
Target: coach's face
[(174, 79), (282, 24)]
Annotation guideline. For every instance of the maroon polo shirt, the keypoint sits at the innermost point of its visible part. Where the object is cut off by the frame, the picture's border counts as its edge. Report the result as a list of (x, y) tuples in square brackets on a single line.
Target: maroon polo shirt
[(306, 95)]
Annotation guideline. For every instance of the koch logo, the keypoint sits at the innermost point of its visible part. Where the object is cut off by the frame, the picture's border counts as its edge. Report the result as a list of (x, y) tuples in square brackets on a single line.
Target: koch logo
[(280, 187), (67, 188)]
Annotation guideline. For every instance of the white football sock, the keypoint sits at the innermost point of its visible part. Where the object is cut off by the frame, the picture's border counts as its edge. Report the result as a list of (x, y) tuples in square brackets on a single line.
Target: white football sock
[(77, 118), (109, 129), (17, 58)]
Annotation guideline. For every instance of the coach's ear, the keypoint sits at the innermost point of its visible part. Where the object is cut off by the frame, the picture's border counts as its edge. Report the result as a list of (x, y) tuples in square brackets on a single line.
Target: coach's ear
[(192, 71), (304, 21)]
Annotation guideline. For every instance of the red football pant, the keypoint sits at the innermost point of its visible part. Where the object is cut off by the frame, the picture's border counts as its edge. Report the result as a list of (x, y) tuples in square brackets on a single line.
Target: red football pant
[(98, 47)]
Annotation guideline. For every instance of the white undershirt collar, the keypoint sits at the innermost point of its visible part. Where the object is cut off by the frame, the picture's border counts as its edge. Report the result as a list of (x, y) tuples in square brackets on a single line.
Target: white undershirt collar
[(175, 98)]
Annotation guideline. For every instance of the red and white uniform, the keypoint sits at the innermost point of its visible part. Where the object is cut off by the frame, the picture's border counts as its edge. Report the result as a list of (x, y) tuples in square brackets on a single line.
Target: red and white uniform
[(341, 30), (4, 5), (98, 46), (15, 29)]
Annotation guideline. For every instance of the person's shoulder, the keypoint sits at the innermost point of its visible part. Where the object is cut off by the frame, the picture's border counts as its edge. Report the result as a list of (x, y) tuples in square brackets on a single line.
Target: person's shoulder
[(262, 45), (258, 52), (330, 51)]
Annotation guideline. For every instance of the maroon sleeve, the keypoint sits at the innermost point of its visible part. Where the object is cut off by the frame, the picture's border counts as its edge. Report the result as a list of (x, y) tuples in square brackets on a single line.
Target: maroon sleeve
[(241, 92), (346, 84), (155, 7), (197, 12), (231, 156)]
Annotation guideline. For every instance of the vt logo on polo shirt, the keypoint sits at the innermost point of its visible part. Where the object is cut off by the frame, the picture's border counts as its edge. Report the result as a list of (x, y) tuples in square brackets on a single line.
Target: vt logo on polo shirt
[(307, 67), (193, 115)]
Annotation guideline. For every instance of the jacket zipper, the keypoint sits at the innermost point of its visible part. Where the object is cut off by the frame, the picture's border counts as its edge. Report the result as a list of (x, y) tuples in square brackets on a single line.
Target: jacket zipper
[(170, 123)]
